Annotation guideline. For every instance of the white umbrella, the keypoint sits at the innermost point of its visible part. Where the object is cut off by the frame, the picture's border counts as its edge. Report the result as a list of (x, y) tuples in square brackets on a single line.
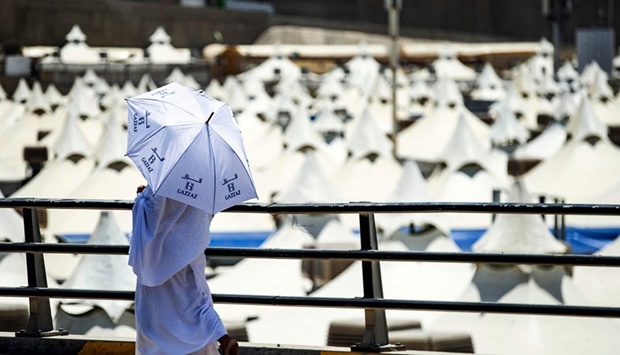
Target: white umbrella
[(189, 148)]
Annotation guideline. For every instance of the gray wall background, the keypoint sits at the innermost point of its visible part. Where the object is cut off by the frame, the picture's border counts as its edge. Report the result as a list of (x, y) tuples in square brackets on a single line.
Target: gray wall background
[(130, 23)]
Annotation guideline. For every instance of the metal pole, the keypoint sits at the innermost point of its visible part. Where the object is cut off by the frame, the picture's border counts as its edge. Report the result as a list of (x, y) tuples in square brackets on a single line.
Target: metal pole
[(393, 7), (40, 320), (375, 337)]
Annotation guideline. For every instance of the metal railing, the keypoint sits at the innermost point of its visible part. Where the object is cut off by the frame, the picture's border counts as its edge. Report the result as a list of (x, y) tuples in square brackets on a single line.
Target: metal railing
[(376, 335)]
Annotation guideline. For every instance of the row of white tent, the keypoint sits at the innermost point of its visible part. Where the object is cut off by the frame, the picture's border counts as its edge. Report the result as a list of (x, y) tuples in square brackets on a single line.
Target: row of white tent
[(279, 129), (323, 173)]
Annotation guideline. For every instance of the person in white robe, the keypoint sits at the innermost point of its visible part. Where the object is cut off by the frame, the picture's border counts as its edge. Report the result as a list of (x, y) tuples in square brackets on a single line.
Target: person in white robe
[(173, 303)]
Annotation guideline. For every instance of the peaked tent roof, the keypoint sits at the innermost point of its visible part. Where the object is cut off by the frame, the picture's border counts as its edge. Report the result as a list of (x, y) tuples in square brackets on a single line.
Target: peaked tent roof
[(56, 179), (429, 136), (366, 138), (528, 334), (310, 186), (106, 183), (506, 128), (545, 145), (71, 140), (519, 233), (489, 86), (448, 65), (22, 91), (103, 271), (465, 148), (585, 123), (411, 187), (75, 34), (299, 132), (37, 100), (570, 172)]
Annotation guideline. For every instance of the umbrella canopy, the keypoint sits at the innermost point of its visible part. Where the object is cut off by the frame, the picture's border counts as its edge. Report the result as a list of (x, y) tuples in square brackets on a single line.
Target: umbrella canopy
[(189, 148)]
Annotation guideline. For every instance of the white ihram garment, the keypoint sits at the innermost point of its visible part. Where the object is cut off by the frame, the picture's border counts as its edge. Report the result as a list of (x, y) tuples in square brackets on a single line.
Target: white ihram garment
[(174, 308)]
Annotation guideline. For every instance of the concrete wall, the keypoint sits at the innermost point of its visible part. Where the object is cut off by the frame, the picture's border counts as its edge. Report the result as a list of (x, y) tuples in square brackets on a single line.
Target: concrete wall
[(123, 23), (130, 23), (516, 19)]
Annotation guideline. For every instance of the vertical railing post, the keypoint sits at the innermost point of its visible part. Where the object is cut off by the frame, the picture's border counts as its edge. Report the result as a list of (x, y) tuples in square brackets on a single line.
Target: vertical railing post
[(375, 337), (496, 197), (40, 320), (563, 224)]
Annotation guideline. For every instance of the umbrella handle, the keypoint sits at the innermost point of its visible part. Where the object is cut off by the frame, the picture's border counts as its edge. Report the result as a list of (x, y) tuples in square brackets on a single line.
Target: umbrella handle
[(209, 119)]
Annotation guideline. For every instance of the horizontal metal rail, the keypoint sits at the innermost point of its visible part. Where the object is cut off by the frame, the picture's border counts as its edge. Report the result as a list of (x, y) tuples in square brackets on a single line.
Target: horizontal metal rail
[(373, 303), (343, 208), (360, 255), (375, 333)]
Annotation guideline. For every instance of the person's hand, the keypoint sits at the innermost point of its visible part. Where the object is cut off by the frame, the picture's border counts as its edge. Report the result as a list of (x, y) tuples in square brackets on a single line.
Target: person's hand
[(140, 188), (228, 345)]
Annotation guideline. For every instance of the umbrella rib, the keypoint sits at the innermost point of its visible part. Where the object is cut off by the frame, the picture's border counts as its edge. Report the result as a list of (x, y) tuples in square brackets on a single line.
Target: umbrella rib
[(213, 164)]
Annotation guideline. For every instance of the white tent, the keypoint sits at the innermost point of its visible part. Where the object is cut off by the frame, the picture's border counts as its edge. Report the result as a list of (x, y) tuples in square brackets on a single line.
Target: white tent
[(22, 91), (3, 94), (71, 140), (511, 334), (264, 141), (567, 72), (420, 281), (429, 136), (77, 51), (102, 272), (327, 121), (545, 145), (38, 102), (16, 309), (177, 76), (365, 137), (161, 50), (585, 122), (446, 92), (215, 90), (57, 178), (255, 276), (365, 179), (11, 224), (105, 183), (519, 233), (146, 83), (464, 148), (448, 65), (489, 86), (274, 68), (411, 188), (570, 172), (529, 334), (13, 140), (310, 185), (461, 186), (299, 133), (283, 170), (565, 105), (600, 284), (363, 69), (507, 129)]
